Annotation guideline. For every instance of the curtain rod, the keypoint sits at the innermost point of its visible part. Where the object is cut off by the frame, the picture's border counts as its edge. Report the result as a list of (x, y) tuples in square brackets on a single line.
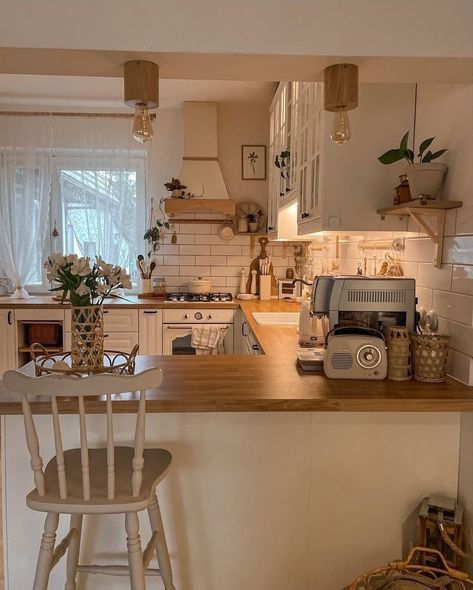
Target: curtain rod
[(61, 114)]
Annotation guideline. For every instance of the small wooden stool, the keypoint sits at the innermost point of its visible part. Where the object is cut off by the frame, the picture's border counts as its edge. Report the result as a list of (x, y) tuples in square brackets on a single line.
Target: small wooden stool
[(115, 479)]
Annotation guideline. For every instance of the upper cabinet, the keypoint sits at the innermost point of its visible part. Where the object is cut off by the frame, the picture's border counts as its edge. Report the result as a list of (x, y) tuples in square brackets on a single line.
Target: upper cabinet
[(337, 187)]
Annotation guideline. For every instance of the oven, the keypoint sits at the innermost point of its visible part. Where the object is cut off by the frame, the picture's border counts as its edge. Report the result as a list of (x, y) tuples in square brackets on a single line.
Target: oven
[(178, 323)]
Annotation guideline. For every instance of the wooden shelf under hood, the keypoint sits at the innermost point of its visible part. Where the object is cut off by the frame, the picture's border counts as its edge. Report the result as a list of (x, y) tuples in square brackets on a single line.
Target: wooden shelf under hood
[(224, 207)]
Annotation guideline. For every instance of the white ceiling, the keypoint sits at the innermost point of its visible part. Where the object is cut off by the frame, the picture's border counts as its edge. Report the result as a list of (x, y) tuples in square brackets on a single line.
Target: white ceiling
[(18, 90)]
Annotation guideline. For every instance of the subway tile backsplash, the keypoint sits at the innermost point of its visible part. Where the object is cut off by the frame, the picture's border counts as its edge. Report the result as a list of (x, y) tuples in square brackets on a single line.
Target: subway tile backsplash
[(201, 252)]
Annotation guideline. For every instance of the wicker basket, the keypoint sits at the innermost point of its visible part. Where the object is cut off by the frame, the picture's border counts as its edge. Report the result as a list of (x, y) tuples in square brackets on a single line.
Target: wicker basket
[(378, 577), (399, 354), (430, 357)]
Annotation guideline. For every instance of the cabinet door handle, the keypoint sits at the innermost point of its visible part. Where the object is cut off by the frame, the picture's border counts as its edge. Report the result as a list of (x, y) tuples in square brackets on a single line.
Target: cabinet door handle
[(105, 310), (255, 347), (243, 329), (9, 318), (150, 311), (105, 335)]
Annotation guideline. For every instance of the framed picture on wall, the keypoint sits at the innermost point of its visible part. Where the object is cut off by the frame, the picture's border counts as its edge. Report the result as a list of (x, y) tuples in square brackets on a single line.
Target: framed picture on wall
[(253, 162)]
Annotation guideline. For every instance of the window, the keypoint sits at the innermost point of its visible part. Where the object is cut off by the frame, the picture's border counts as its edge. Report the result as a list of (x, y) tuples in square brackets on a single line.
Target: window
[(97, 205), (98, 208)]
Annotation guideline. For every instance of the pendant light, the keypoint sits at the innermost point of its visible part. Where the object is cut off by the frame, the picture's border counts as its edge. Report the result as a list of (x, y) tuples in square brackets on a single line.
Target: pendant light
[(340, 96), (142, 92)]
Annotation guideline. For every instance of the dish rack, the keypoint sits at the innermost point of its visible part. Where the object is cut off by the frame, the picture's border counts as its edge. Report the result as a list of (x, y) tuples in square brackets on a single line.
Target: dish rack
[(377, 578)]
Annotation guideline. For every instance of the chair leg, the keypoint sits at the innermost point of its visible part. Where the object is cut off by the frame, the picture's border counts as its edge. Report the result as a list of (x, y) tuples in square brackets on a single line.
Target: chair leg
[(73, 553), (161, 549), (135, 554), (48, 540)]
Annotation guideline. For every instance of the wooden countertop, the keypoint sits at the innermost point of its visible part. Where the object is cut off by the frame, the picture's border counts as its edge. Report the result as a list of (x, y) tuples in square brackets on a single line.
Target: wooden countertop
[(131, 301), (270, 382)]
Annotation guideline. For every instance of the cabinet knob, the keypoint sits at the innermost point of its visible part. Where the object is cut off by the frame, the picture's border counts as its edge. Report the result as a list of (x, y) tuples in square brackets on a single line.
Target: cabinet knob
[(186, 317), (210, 316)]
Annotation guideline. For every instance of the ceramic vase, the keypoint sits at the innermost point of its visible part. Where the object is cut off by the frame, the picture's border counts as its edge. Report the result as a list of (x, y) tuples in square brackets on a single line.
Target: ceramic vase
[(87, 336), (426, 179)]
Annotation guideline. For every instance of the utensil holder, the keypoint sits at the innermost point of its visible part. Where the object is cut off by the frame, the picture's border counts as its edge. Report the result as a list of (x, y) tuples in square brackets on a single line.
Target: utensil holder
[(265, 287), (146, 286), (430, 357), (399, 354)]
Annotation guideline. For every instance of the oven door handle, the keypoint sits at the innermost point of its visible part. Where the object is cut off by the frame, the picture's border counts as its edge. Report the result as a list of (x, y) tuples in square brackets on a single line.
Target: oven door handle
[(178, 327)]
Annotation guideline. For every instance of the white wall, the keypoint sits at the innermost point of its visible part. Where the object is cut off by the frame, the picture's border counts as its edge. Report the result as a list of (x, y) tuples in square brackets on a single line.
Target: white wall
[(365, 27), (267, 501)]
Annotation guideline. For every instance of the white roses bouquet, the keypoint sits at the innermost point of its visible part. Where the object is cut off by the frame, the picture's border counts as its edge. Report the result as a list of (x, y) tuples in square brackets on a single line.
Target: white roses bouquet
[(85, 284)]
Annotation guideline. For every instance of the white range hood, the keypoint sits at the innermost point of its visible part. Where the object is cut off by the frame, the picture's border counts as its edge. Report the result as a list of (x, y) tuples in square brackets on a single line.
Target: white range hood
[(200, 170)]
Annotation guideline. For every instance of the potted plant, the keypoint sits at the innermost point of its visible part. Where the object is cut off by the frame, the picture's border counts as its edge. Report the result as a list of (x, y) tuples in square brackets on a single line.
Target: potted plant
[(176, 188), (253, 219), (87, 286), (425, 176), (153, 234)]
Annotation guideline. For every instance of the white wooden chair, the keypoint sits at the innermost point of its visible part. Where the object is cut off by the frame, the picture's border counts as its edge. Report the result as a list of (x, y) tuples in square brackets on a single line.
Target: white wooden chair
[(110, 480)]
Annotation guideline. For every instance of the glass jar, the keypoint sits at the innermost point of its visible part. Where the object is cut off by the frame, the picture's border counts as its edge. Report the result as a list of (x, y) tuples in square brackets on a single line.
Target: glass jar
[(159, 286)]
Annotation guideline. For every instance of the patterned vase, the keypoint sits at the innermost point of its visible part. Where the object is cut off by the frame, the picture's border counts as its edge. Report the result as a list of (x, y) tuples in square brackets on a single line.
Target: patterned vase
[(87, 336)]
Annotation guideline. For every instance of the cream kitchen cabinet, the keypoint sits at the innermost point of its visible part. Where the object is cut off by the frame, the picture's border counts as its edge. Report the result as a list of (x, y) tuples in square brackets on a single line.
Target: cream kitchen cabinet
[(151, 331), (245, 341), (121, 341), (120, 329), (280, 137), (338, 188), (8, 356)]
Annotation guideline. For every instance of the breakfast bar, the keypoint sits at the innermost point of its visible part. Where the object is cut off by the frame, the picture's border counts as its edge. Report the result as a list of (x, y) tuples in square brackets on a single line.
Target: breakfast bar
[(271, 466)]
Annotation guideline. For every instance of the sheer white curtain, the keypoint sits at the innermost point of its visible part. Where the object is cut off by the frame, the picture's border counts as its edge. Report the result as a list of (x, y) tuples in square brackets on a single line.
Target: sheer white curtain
[(84, 177), (25, 183)]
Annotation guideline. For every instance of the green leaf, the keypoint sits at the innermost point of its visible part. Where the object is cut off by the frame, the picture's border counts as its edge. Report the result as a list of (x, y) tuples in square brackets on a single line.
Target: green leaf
[(427, 158), (409, 156), (424, 145), (404, 140), (436, 155), (166, 224), (391, 156)]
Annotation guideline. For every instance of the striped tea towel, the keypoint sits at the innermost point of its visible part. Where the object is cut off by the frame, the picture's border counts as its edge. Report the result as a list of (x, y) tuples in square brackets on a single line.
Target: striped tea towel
[(206, 339)]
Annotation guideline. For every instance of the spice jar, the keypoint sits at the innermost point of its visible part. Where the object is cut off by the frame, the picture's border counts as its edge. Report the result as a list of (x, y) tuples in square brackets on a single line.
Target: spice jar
[(159, 286)]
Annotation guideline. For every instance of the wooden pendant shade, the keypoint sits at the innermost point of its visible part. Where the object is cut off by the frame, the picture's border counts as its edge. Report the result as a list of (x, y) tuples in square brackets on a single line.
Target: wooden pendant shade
[(141, 83), (341, 87)]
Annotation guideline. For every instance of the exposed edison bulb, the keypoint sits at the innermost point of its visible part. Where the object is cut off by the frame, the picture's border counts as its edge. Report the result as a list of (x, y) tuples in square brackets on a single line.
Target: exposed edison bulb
[(142, 128), (341, 131)]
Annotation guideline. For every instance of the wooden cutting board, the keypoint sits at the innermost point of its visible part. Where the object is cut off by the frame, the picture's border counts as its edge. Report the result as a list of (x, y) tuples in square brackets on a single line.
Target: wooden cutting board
[(263, 242)]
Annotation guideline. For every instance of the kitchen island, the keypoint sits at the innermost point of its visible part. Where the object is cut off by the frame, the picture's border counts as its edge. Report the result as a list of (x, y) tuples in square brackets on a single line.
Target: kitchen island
[(281, 480)]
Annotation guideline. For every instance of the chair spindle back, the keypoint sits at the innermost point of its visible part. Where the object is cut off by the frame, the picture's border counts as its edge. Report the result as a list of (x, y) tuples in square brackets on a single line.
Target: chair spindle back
[(55, 386)]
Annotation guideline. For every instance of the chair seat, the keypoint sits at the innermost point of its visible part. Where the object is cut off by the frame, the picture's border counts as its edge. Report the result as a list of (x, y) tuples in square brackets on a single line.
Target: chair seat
[(156, 463)]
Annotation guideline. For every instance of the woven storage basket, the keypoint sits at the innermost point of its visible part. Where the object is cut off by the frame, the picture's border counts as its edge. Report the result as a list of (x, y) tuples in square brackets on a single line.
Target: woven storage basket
[(386, 576), (430, 357)]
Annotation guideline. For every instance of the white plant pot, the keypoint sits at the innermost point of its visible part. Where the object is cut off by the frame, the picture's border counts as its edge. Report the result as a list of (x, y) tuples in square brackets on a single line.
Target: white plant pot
[(426, 179), (253, 226)]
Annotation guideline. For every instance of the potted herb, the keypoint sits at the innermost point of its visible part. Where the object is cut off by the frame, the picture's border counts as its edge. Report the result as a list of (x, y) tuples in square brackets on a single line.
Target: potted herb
[(425, 176), (253, 219), (176, 188)]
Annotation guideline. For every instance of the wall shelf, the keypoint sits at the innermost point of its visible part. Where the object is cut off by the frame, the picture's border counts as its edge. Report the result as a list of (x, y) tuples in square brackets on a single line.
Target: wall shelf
[(417, 210), (225, 207)]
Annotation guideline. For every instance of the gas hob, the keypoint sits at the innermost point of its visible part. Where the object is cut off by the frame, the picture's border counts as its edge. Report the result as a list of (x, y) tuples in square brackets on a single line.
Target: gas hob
[(199, 298)]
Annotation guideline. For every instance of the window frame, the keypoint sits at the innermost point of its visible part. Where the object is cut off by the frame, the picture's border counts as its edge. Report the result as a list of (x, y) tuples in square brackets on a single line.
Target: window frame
[(91, 160)]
